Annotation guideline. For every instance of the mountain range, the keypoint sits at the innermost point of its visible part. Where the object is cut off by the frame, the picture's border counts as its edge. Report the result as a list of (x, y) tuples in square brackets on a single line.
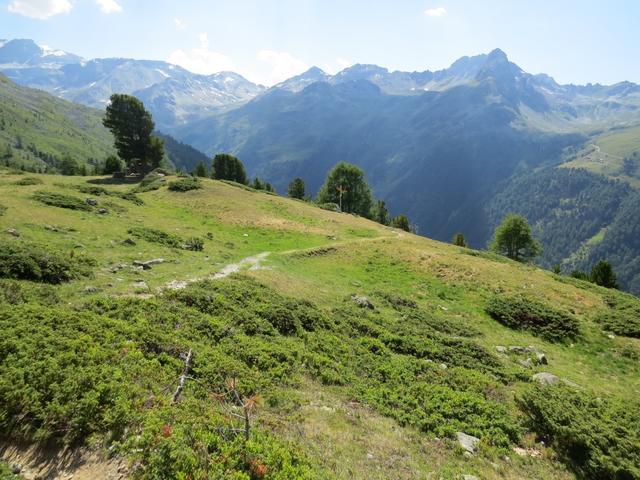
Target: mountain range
[(455, 149)]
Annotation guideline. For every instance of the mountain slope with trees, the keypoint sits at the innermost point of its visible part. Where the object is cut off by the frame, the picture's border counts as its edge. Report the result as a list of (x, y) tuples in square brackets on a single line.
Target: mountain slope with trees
[(224, 332)]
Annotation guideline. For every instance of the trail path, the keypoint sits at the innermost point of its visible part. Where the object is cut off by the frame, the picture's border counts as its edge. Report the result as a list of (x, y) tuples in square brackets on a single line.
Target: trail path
[(254, 262)]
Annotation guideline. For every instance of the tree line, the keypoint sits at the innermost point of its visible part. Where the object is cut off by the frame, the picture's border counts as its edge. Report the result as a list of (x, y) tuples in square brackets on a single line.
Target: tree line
[(345, 188)]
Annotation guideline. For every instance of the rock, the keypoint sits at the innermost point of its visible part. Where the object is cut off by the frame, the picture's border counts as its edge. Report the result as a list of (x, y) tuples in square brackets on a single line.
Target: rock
[(141, 284), (443, 366), (611, 336), (469, 477), (362, 301), (51, 228), (541, 358), (91, 201), (128, 241), (528, 363), (519, 349), (546, 378), (14, 232), (118, 267), (16, 468), (146, 265), (468, 442), (501, 349), (103, 211), (78, 245), (91, 289)]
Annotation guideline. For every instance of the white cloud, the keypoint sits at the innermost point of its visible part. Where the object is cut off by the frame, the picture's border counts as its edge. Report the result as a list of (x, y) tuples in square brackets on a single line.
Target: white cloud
[(39, 9), (109, 6), (283, 66), (436, 12), (201, 60), (179, 23)]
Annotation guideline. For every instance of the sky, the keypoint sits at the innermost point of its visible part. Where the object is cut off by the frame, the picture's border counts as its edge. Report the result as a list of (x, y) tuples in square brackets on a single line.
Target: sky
[(267, 41)]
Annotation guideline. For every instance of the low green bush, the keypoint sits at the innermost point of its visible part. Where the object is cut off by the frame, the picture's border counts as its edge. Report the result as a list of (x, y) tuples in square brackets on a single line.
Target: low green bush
[(95, 190), (332, 207), (194, 244), (25, 181), (3, 209), (25, 261), (185, 184), (623, 315), (152, 181), (154, 235), (61, 201), (523, 313), (598, 437), (131, 197)]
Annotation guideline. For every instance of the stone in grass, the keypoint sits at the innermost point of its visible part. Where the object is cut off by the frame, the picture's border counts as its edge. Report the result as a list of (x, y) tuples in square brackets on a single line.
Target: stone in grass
[(16, 468), (91, 289), (501, 349), (362, 301), (91, 201), (519, 349), (546, 378), (13, 232), (146, 265), (541, 358), (468, 442), (469, 477)]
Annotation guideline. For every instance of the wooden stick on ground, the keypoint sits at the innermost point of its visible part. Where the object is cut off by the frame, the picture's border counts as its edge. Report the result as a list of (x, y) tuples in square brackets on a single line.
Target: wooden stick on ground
[(183, 377)]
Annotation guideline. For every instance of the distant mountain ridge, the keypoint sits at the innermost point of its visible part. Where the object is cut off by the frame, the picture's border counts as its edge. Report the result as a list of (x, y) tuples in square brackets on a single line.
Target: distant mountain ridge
[(174, 94), (455, 149)]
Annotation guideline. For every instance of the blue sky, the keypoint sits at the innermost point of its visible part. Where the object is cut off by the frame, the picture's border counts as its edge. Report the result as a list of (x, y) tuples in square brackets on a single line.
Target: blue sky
[(575, 41)]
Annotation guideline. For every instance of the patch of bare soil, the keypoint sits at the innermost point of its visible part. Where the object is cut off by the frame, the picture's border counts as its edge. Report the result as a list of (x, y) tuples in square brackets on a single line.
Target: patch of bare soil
[(49, 463)]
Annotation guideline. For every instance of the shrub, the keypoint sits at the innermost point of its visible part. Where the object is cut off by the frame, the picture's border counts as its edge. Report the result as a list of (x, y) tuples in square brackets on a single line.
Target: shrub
[(93, 190), (28, 181), (156, 236), (623, 315), (194, 244), (332, 207), (151, 181), (3, 209), (185, 184), (131, 197), (524, 313), (61, 201), (598, 438), (29, 262)]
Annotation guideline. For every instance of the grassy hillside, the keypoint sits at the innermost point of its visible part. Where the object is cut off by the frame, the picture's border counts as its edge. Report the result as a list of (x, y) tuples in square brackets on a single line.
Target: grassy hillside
[(39, 130), (357, 351)]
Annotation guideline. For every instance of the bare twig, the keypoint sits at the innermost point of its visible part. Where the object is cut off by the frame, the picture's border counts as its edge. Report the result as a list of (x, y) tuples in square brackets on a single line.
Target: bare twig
[(183, 377)]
